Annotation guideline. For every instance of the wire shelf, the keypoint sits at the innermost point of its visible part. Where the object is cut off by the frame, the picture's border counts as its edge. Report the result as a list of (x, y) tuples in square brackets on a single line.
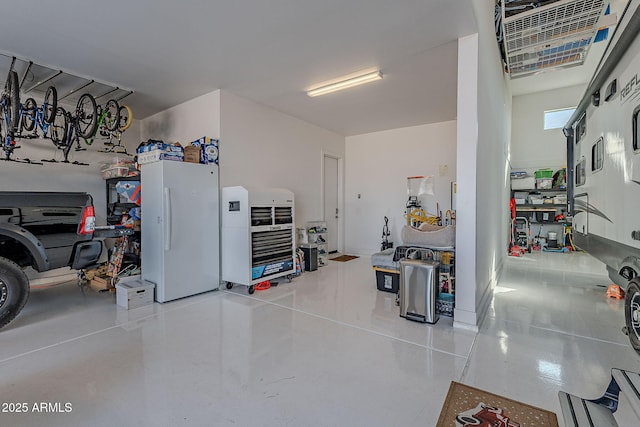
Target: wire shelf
[(558, 34)]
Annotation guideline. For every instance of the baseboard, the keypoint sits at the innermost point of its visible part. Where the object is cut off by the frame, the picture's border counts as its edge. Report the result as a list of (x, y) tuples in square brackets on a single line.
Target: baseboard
[(470, 320)]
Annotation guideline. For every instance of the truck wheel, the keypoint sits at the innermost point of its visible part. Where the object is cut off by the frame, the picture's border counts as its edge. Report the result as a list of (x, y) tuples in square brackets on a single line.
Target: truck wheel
[(14, 290), (632, 313)]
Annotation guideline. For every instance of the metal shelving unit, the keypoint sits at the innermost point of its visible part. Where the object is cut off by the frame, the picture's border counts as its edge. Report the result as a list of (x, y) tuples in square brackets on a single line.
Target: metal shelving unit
[(36, 78), (542, 216), (557, 34), (117, 206), (317, 232)]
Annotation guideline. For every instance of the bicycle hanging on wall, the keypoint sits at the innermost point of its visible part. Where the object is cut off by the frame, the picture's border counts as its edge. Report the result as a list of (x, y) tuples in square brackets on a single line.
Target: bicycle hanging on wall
[(34, 118), (69, 128), (124, 122), (10, 112)]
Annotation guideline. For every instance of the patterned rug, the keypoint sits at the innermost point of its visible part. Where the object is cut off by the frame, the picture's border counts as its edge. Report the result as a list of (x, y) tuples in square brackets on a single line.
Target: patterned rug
[(343, 258), (470, 406)]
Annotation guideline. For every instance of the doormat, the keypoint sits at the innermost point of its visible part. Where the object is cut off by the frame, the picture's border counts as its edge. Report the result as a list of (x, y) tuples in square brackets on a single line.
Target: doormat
[(470, 406), (343, 258)]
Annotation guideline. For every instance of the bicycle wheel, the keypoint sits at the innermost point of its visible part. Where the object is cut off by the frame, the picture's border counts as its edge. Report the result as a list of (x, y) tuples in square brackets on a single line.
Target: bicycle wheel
[(2, 141), (5, 139), (126, 118), (28, 115), (111, 115), (12, 89), (59, 127), (50, 104), (87, 116)]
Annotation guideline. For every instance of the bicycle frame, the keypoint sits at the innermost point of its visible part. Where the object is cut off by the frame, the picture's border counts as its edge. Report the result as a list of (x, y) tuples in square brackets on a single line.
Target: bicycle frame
[(32, 117), (107, 121), (9, 104), (70, 130), (8, 141), (39, 121)]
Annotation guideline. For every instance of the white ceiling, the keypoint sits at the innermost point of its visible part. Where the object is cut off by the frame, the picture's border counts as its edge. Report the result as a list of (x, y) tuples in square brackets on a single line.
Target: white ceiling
[(268, 51)]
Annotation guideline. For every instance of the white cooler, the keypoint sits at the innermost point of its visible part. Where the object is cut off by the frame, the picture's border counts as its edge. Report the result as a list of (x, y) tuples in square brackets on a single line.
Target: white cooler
[(134, 292)]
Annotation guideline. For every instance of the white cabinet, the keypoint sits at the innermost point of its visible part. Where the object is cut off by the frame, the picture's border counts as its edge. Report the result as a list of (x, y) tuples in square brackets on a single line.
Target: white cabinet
[(317, 234)]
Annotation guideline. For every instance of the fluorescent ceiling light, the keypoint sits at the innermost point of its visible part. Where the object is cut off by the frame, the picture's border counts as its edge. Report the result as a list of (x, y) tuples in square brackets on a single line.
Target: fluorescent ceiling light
[(345, 84)]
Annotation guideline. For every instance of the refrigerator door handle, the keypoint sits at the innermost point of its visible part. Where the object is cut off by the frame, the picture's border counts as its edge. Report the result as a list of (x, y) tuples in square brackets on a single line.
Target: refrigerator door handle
[(167, 219)]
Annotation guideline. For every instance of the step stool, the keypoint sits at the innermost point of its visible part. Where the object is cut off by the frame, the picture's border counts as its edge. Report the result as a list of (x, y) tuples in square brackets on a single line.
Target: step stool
[(579, 412)]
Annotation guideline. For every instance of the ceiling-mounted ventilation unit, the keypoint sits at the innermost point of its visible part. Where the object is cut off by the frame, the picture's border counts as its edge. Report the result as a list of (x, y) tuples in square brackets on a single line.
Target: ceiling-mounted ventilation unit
[(557, 34)]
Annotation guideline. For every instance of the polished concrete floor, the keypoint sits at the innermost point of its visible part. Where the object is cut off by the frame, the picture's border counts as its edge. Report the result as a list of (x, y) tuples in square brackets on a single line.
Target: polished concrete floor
[(327, 349)]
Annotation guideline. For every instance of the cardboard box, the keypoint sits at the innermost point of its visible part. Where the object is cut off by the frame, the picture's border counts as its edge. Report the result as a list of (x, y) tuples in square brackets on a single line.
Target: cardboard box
[(99, 271), (160, 151), (133, 292), (209, 148), (101, 283), (157, 155), (193, 154)]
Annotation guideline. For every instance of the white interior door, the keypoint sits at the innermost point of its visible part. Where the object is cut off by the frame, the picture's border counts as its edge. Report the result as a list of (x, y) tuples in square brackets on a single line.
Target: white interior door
[(332, 216)]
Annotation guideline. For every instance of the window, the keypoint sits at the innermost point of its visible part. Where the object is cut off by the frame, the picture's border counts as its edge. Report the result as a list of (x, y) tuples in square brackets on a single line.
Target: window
[(581, 128), (636, 145), (597, 155), (556, 119), (580, 173)]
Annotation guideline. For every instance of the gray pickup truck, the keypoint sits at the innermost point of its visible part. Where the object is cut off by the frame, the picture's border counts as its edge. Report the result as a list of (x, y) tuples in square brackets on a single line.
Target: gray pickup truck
[(44, 231)]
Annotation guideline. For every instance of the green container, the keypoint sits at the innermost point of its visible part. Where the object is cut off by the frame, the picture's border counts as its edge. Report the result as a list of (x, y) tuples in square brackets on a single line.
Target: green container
[(544, 173)]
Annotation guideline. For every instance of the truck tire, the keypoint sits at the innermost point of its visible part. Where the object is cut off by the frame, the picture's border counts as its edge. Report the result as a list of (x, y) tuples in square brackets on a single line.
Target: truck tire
[(632, 313), (14, 290)]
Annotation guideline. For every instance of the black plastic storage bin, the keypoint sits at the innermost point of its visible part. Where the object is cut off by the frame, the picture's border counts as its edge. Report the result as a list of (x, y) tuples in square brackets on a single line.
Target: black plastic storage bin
[(387, 280), (310, 257)]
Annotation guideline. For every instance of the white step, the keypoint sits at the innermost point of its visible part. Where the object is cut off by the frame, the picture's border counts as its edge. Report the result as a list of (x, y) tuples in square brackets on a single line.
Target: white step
[(629, 383), (579, 412)]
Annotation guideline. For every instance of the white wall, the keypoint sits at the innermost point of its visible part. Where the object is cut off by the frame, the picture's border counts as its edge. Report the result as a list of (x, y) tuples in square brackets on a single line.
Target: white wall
[(261, 147), (467, 149), (378, 165), (17, 176), (483, 141), (532, 147), (185, 122), (61, 176)]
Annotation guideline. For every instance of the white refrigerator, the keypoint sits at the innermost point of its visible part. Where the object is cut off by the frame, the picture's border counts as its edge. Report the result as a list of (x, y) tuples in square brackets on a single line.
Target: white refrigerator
[(180, 228)]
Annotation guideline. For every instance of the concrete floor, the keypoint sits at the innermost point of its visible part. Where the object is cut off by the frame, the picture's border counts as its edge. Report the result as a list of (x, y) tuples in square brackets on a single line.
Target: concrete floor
[(327, 349)]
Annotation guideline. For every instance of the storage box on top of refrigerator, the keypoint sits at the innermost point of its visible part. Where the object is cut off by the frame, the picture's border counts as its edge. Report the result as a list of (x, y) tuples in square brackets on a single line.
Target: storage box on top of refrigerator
[(180, 228)]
